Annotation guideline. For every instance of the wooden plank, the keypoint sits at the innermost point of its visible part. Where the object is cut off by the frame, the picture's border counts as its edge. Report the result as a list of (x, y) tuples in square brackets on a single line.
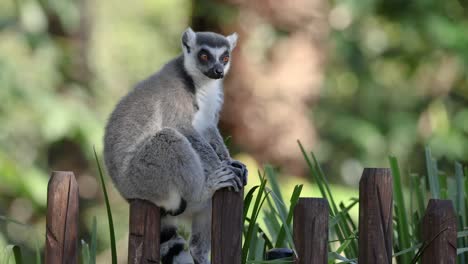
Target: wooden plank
[(310, 230), (62, 219), (375, 216), (439, 231), (145, 224), (226, 227)]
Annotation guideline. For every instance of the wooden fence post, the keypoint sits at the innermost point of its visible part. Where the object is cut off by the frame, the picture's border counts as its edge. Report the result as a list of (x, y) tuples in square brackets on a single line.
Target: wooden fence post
[(439, 231), (226, 227), (62, 219), (311, 230), (143, 240), (375, 216)]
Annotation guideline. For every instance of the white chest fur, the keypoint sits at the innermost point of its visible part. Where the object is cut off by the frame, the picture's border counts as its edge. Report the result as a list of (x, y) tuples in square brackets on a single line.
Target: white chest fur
[(209, 99)]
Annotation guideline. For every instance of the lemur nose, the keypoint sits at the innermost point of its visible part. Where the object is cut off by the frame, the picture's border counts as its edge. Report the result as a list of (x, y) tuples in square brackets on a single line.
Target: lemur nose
[(218, 71)]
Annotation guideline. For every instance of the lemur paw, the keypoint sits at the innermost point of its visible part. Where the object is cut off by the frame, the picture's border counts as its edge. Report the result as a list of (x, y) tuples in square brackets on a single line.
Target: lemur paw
[(241, 170), (225, 176)]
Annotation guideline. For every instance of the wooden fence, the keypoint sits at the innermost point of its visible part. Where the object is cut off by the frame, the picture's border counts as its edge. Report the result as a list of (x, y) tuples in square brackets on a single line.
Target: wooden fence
[(310, 230)]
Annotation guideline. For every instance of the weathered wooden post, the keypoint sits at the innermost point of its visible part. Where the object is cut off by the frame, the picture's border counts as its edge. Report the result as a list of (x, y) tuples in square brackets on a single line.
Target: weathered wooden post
[(375, 216), (143, 240), (439, 232), (311, 230), (226, 227), (62, 219)]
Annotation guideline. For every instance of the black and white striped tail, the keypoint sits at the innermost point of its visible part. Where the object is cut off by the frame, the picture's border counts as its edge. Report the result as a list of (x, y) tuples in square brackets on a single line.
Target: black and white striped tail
[(172, 248)]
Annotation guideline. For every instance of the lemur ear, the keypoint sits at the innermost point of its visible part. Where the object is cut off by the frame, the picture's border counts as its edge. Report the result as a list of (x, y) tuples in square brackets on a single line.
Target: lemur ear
[(232, 40), (188, 39)]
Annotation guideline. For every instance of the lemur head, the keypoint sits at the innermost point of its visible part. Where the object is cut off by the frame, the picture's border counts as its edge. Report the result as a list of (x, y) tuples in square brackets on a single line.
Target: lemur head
[(207, 54)]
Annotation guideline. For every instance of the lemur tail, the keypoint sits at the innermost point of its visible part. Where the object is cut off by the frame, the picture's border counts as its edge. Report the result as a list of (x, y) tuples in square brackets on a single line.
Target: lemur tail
[(173, 246)]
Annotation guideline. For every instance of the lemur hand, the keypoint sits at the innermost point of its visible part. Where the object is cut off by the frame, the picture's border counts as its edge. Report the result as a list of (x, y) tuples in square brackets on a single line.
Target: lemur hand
[(240, 169), (224, 176)]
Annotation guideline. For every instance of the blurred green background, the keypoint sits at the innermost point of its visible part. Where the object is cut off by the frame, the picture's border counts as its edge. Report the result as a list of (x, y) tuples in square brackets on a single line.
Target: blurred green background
[(355, 81)]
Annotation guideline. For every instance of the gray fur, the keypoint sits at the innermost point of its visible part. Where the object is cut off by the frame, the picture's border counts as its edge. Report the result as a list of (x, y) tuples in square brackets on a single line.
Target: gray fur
[(162, 143)]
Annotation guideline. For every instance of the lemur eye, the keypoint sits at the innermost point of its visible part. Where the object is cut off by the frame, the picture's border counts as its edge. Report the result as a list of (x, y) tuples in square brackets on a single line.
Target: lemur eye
[(226, 59), (203, 57)]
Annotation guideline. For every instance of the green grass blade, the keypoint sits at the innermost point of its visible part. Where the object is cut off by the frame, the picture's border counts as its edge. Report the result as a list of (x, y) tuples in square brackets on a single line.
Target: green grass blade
[(247, 202), (283, 217), (37, 250), (419, 190), (342, 229), (408, 250), (260, 250), (85, 257), (402, 223), (93, 247), (109, 212), (276, 261), (317, 175), (466, 195), (272, 224), (340, 216), (329, 195), (348, 226), (346, 243), (37, 247), (293, 201), (432, 174), (268, 242), (312, 171), (273, 180), (460, 195), (444, 187), (253, 244), (253, 218), (332, 256), (460, 207), (462, 233), (15, 251), (280, 205)]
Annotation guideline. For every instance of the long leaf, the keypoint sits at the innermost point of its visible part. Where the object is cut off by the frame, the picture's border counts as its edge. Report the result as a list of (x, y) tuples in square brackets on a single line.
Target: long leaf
[(432, 174), (460, 195), (85, 257), (460, 206), (253, 244), (253, 218), (247, 202), (317, 174), (259, 252), (109, 212), (294, 199), (93, 247), (402, 223), (15, 251), (283, 217)]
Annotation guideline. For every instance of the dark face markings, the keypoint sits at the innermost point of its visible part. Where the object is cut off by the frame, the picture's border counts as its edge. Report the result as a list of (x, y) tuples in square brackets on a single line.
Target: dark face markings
[(223, 57), (212, 39), (204, 56), (211, 60)]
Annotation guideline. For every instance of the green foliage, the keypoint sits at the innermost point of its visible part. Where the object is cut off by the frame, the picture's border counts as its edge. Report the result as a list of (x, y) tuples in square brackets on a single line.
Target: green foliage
[(278, 219), (12, 250), (396, 80), (401, 221)]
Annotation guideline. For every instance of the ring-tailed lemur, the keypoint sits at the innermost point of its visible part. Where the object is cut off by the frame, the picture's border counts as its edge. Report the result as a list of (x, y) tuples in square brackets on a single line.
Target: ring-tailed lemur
[(162, 143)]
